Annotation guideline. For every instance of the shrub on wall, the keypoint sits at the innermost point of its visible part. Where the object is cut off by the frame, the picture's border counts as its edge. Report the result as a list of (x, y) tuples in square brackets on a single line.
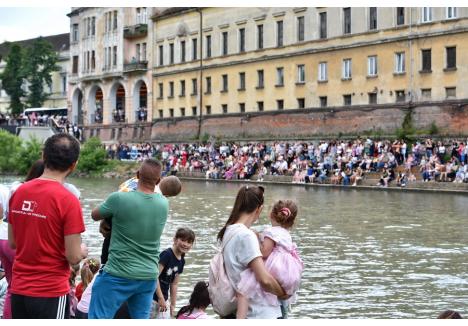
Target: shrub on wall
[(10, 146), (92, 157), (30, 152)]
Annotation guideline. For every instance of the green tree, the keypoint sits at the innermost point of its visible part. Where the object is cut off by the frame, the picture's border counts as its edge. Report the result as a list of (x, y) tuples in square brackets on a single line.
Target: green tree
[(92, 156), (10, 146), (29, 153), (13, 78), (41, 61)]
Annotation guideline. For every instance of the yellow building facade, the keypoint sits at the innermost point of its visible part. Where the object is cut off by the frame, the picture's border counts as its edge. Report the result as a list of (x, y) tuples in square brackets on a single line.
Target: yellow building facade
[(234, 60)]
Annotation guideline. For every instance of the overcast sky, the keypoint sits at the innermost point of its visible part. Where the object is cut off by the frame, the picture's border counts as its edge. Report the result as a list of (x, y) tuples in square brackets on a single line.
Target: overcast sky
[(27, 22), (20, 23)]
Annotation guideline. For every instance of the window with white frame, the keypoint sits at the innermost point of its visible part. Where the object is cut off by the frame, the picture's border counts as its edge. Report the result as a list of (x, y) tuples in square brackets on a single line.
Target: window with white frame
[(194, 86), (194, 49), (242, 40), (182, 51), (347, 69), (323, 24), (301, 74), (426, 14), (75, 33), (372, 18), (182, 88), (114, 25), (109, 56), (141, 15), (208, 85), (300, 28), (225, 83), (64, 84), (451, 12), (372, 65), (400, 62), (171, 89), (241, 81), (400, 16), (208, 46), (171, 53), (161, 55), (259, 36), (260, 79), (224, 43), (138, 52), (279, 76), (143, 51), (161, 90), (346, 20), (322, 71), (279, 33), (114, 61)]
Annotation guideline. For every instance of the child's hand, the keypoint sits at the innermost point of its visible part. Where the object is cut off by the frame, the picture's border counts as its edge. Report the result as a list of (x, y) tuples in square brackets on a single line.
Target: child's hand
[(162, 305)]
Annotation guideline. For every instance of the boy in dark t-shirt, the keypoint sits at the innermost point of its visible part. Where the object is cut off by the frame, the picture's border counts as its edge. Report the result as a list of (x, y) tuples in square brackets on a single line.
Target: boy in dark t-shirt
[(171, 265)]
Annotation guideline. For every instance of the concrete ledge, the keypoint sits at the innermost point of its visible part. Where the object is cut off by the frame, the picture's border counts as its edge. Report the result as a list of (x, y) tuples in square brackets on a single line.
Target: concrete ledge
[(417, 186)]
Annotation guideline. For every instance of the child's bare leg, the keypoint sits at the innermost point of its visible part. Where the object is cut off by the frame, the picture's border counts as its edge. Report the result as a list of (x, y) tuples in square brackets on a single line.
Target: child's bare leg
[(242, 306)]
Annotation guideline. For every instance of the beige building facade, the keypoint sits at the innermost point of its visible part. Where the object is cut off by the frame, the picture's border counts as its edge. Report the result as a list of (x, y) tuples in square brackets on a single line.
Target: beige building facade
[(231, 60), (110, 82)]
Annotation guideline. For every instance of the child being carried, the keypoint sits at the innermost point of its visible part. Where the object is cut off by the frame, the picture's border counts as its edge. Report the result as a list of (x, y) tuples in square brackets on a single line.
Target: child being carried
[(281, 260)]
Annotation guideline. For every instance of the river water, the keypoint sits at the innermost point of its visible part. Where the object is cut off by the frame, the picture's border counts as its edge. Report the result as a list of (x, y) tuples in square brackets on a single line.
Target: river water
[(367, 254)]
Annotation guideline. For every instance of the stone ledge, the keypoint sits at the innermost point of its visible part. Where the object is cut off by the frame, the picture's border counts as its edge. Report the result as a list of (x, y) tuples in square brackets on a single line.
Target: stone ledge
[(439, 187)]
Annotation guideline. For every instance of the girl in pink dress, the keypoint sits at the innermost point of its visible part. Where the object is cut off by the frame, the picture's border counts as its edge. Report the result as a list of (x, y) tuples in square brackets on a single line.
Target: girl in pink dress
[(281, 260)]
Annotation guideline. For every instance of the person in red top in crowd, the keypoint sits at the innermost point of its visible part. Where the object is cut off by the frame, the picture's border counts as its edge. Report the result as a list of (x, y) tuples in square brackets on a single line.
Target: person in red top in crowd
[(45, 226)]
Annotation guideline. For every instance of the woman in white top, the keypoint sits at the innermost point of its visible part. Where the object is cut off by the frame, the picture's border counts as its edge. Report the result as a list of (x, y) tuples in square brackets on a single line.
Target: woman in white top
[(242, 251)]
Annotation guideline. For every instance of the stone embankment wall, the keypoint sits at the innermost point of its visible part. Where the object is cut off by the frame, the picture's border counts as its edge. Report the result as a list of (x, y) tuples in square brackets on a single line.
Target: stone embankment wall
[(369, 182), (450, 117)]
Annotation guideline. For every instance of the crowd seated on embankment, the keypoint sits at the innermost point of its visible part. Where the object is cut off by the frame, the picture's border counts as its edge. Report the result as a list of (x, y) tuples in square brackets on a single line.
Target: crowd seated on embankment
[(387, 162)]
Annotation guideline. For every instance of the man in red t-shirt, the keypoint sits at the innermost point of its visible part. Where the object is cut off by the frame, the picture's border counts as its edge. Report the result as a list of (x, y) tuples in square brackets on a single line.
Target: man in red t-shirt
[(45, 223)]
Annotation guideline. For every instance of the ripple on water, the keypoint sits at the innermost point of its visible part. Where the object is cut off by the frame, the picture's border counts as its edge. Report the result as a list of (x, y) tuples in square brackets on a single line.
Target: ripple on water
[(356, 263)]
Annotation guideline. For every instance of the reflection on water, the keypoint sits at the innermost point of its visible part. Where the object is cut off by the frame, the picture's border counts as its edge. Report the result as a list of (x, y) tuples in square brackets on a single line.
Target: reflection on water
[(367, 254)]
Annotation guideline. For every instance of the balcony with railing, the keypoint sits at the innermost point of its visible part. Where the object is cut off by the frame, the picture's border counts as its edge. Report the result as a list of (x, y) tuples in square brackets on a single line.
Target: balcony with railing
[(134, 31), (135, 66)]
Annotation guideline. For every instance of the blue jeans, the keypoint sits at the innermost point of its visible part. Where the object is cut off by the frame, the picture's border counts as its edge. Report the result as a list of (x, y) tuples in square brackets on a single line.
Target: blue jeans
[(110, 292)]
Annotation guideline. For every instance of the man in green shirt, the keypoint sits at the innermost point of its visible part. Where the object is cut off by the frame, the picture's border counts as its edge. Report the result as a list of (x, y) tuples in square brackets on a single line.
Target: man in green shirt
[(138, 220)]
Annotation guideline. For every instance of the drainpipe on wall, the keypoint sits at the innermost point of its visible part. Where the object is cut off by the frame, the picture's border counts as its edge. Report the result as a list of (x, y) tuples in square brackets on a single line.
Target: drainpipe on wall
[(411, 56), (200, 92)]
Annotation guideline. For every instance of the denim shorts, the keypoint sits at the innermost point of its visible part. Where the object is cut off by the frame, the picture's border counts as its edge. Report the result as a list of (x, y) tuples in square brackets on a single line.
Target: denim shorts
[(110, 292)]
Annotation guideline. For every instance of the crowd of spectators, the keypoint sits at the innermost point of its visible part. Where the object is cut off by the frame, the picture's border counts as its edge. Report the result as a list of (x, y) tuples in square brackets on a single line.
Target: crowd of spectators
[(33, 119), (336, 162), (8, 120), (130, 152)]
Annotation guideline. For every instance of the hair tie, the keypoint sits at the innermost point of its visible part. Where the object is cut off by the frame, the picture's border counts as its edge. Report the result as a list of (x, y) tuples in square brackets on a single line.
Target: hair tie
[(286, 211)]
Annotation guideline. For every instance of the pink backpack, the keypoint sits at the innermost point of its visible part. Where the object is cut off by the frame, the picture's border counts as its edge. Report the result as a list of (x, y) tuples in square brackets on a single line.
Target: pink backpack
[(222, 293)]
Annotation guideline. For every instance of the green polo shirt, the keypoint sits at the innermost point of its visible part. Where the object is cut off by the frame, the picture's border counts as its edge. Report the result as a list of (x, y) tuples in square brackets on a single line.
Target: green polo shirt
[(138, 220)]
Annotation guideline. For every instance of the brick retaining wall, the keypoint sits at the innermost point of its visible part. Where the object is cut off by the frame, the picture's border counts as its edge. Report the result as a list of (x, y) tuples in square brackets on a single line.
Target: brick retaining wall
[(451, 119)]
